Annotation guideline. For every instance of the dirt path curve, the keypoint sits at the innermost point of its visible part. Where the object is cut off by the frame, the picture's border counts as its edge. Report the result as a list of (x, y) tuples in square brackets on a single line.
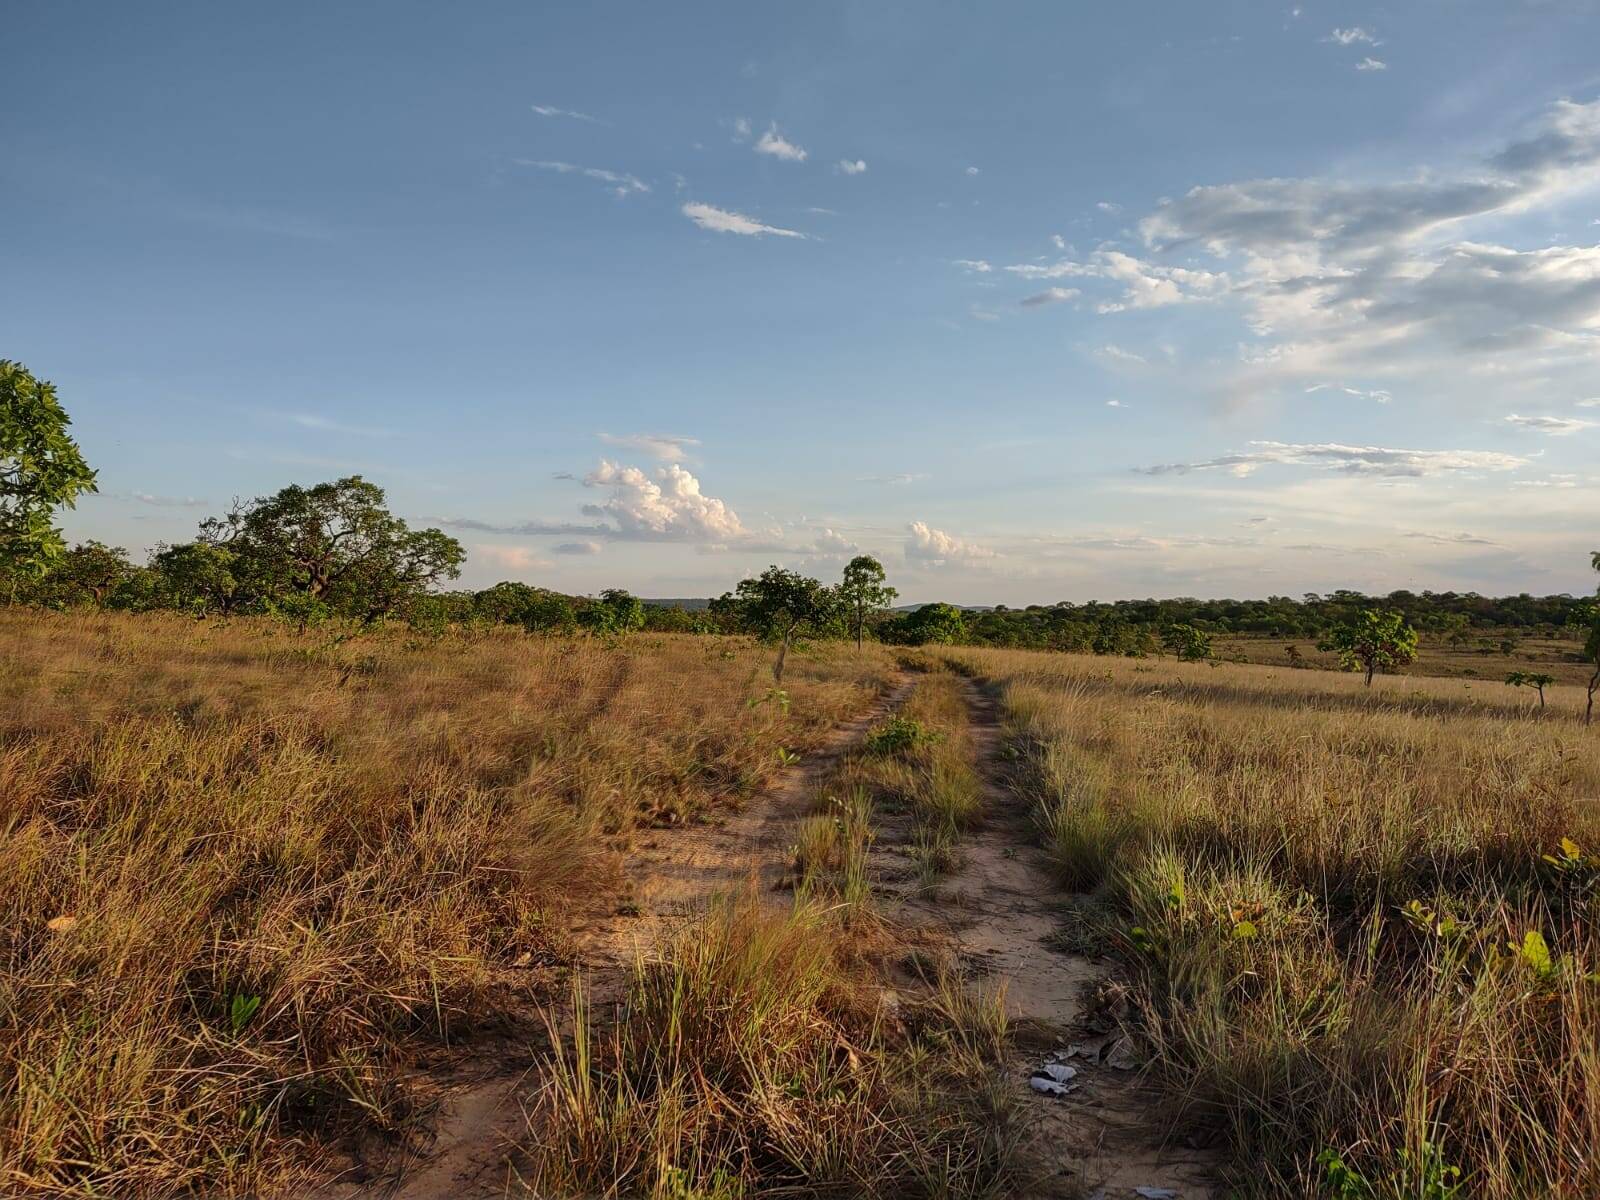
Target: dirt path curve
[(670, 873), (1002, 907)]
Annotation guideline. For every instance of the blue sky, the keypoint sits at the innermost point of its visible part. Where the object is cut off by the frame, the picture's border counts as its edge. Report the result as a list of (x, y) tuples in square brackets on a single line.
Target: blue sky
[(1034, 301)]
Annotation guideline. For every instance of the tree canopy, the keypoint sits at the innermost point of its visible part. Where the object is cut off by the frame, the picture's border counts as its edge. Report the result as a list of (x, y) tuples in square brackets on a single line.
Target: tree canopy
[(780, 604), (864, 593), (1375, 641), (41, 470)]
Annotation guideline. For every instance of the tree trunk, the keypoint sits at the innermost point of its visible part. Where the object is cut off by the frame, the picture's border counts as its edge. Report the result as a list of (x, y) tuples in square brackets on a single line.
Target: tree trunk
[(1541, 697), (1594, 686), (861, 620), (783, 653), (1371, 669)]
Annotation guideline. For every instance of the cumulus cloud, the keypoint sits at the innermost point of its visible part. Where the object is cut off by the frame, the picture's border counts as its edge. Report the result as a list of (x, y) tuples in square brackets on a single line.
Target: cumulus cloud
[(1364, 275), (1554, 426), (934, 547), (667, 447), (620, 182), (1351, 460), (721, 220), (1054, 295), (775, 144), (846, 167), (668, 507), (1348, 37)]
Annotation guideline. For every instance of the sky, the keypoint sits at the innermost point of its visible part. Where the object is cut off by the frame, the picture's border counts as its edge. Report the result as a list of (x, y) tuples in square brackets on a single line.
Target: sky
[(1033, 301)]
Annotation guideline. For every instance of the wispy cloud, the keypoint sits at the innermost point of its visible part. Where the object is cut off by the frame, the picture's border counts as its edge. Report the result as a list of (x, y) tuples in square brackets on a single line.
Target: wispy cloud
[(1054, 295), (846, 167), (1372, 64), (1351, 460), (894, 480), (509, 558), (578, 548), (1349, 37), (775, 144), (1554, 426), (549, 110), (976, 265), (722, 220), (1451, 539), (620, 181), (327, 425), (1379, 395), (665, 447)]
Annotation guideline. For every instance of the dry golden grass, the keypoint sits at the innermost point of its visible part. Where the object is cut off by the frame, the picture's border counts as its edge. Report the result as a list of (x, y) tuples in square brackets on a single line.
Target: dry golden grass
[(243, 868), (755, 1056), (1257, 838)]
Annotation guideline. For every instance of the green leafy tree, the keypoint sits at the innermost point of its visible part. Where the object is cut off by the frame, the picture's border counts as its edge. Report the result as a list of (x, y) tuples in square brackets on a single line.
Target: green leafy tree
[(1186, 642), (937, 624), (615, 613), (1373, 641), (864, 593), (89, 574), (781, 605), (41, 470), (1531, 679), (198, 577), (333, 548), (537, 610)]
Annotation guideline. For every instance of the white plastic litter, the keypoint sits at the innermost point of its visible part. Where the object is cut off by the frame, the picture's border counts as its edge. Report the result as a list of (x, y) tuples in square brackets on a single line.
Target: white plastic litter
[(1155, 1193), (1053, 1079)]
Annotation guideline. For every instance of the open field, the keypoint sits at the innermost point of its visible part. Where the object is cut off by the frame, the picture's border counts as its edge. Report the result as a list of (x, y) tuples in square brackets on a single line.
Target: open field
[(248, 872), (260, 884), (1482, 661), (1360, 955)]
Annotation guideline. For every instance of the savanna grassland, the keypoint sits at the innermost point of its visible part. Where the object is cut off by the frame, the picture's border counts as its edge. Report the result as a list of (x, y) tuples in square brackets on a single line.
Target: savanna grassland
[(1361, 929), (248, 873)]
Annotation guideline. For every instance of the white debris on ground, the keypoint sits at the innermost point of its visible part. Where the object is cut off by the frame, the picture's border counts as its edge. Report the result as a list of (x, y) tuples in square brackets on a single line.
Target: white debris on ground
[(1053, 1078)]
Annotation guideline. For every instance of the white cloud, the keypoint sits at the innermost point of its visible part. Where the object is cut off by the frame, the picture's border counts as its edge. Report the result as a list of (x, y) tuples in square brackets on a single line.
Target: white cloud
[(1352, 460), (579, 548), (934, 547), (972, 170), (670, 507), (547, 110), (1106, 206), (977, 265), (845, 167), (1054, 295), (721, 220), (1348, 37), (1115, 404), (983, 314), (1372, 64), (1554, 426), (741, 129), (1059, 242), (832, 544), (1451, 539), (1118, 354), (903, 477), (1592, 403), (774, 143), (667, 447), (621, 182), (509, 558), (1378, 395), (1144, 284), (156, 501)]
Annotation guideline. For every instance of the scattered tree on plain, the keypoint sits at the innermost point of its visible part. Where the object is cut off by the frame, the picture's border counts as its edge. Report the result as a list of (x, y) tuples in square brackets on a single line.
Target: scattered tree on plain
[(1186, 642), (1375, 641), (932, 624), (782, 604), (41, 470), (864, 592), (1531, 679), (615, 614)]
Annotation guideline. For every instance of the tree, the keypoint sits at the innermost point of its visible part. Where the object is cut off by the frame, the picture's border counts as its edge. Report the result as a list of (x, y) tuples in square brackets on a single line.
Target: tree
[(941, 624), (614, 614), (537, 610), (41, 469), (332, 547), (1531, 679), (89, 573), (1187, 642), (1374, 641), (863, 591), (1591, 648), (198, 577), (780, 604)]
